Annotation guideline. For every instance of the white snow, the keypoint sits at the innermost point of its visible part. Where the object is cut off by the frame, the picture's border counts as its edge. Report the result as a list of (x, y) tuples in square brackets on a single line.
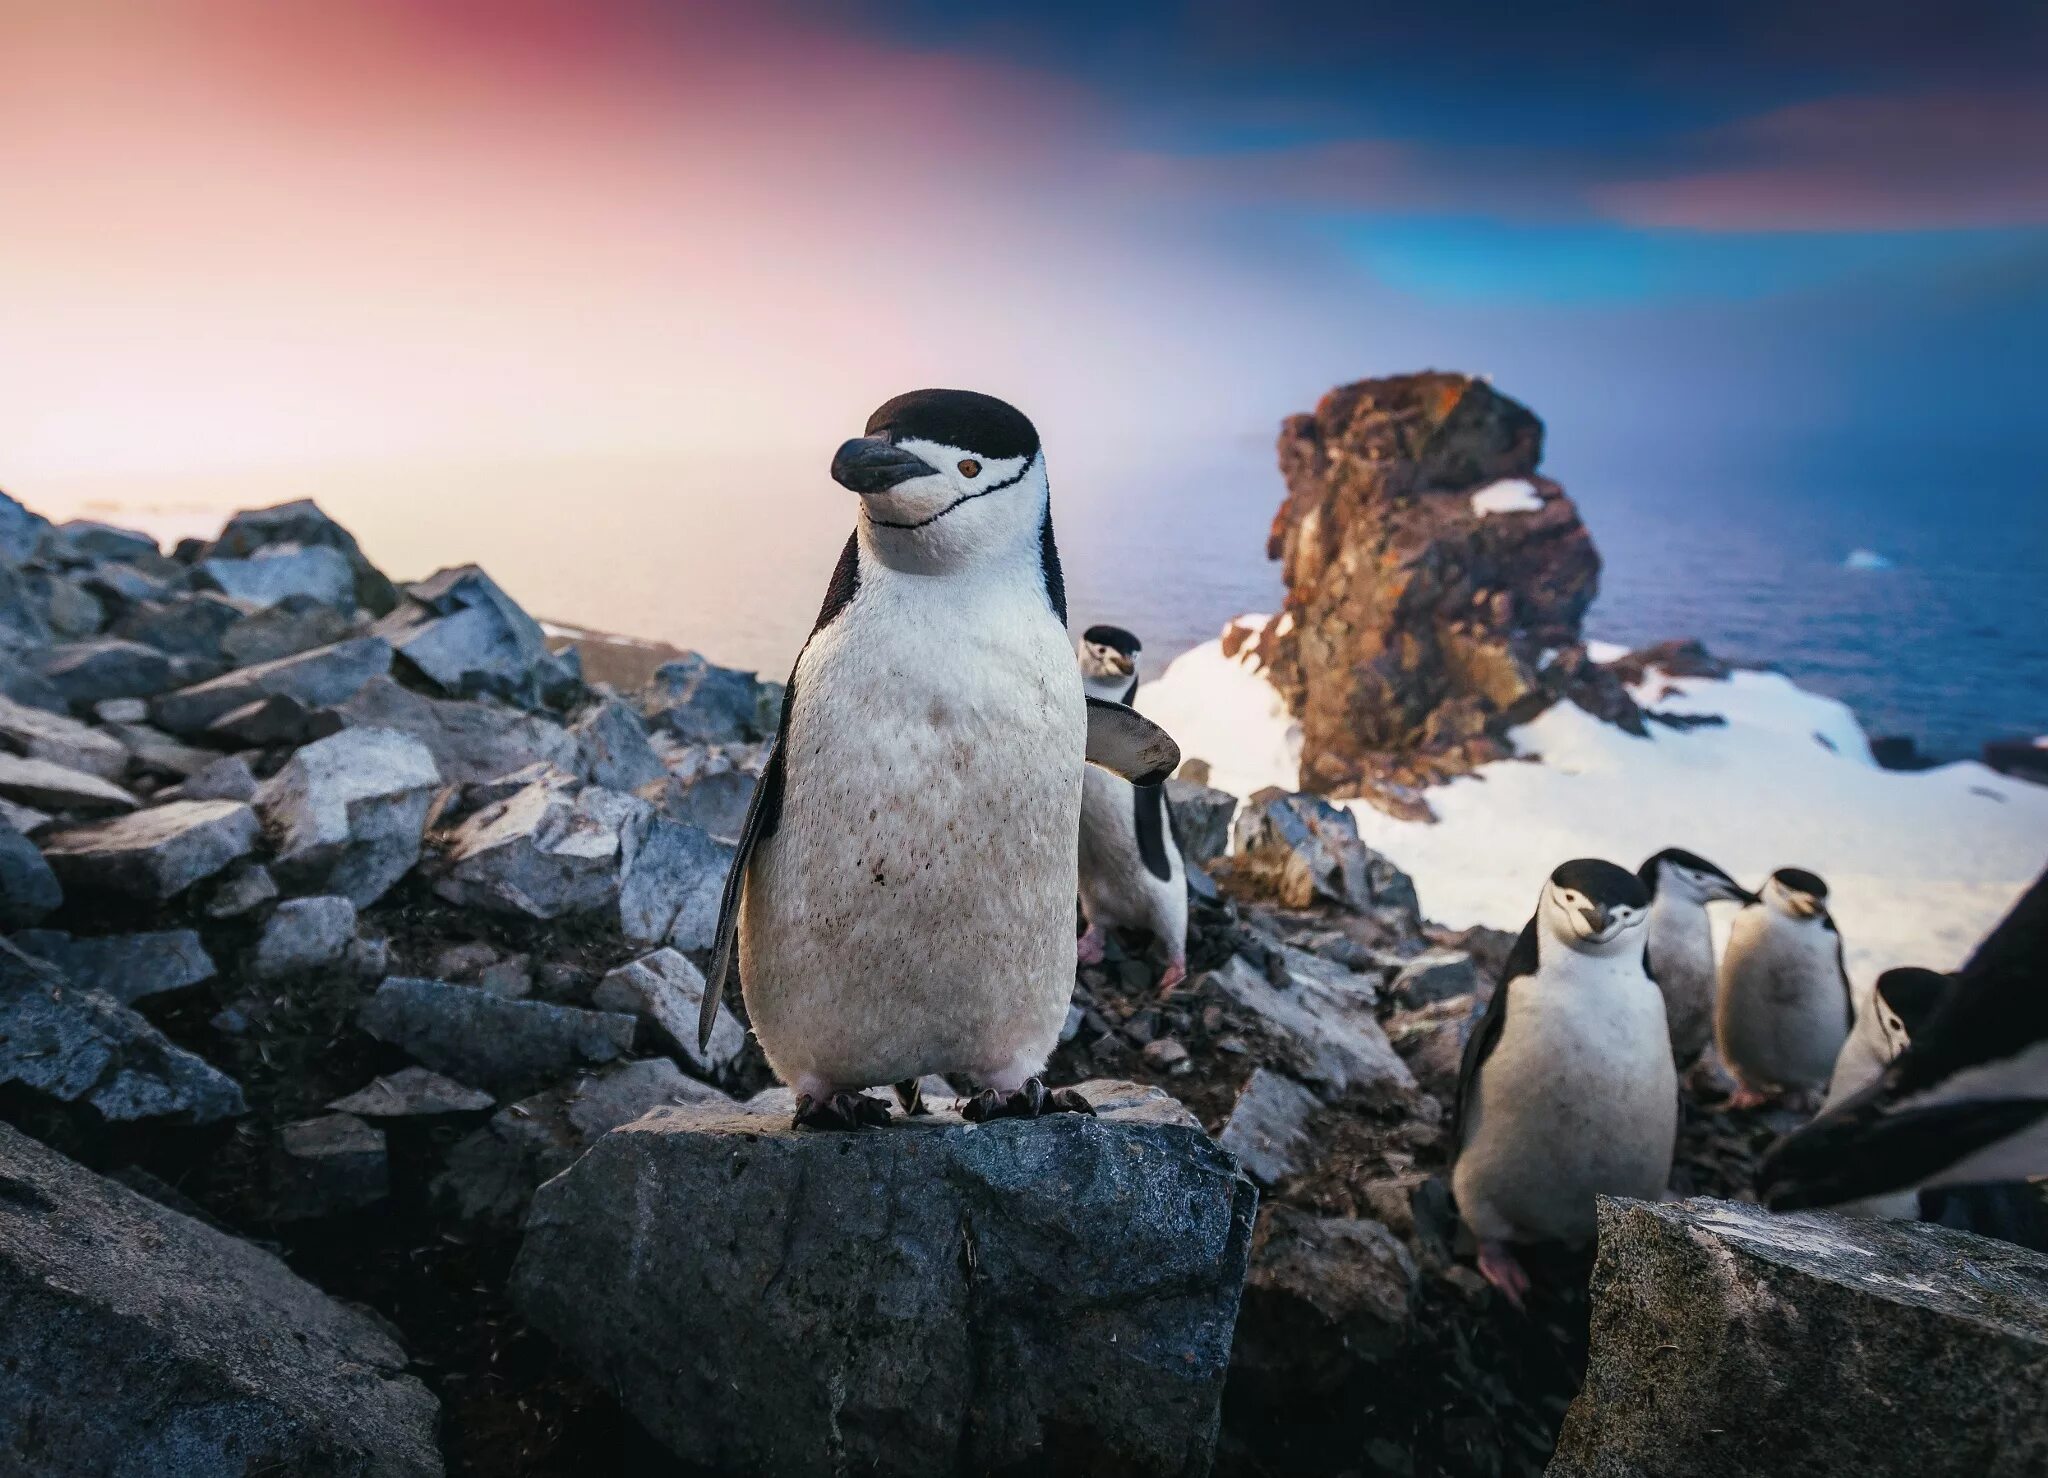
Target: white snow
[(1919, 865), (1509, 495)]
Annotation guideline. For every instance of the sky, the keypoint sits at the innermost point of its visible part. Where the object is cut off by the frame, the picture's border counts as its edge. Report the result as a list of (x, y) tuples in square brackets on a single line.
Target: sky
[(528, 258)]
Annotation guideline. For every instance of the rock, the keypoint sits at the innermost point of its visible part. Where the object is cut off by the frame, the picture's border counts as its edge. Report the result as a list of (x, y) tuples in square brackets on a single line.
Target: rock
[(511, 976), (35, 782), (1298, 849), (492, 1175), (476, 1037), (282, 571), (771, 1300), (84, 540), (228, 778), (464, 961), (153, 752), (304, 525), (1435, 975), (1391, 1199), (1326, 1295), (1322, 1026), (464, 635), (1268, 1127), (1572, 673), (77, 1046), (1687, 657), (715, 804), (121, 711), (321, 678), (1165, 1055), (25, 819), (470, 742), (700, 703), (24, 684), (325, 1166), (243, 887), (29, 891), (543, 853), (675, 875), (194, 625), (105, 667), (1415, 621), (1201, 819), (412, 1093), (347, 813), (2023, 759), (301, 935), (295, 624), (43, 735), (668, 991), (612, 749), (21, 532), (153, 854), (272, 720), (1431, 1040), (1719, 1331), (124, 967), (139, 1341)]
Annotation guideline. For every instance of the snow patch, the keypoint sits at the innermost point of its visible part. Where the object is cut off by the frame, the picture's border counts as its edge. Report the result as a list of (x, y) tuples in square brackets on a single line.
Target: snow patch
[(1509, 495)]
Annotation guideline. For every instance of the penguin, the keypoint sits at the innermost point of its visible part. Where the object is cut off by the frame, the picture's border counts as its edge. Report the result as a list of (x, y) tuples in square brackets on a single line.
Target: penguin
[(1132, 872), (1899, 1005), (1567, 1090), (1680, 951), (901, 898), (1784, 1006), (1965, 1104)]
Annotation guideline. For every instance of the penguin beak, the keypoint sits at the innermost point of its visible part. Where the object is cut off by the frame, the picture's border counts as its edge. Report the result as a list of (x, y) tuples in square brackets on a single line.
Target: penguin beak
[(1804, 905), (1596, 917), (871, 464)]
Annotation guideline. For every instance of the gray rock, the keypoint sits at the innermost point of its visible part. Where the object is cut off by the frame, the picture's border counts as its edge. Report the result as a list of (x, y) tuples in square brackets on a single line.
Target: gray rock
[(476, 1037), (1268, 1127), (274, 719), (325, 1166), (771, 1300), (139, 1341), (29, 891), (153, 752), (544, 854), (667, 990), (301, 935), (464, 961), (242, 888), (463, 634), (1326, 1296), (1435, 975), (40, 734), (280, 571), (492, 1175), (25, 819), (321, 678), (715, 803), (471, 741), (124, 967), (55, 787), (700, 703), (1431, 1040), (612, 748), (105, 667), (86, 540), (1322, 1025), (674, 877), (228, 778), (1727, 1342), (348, 812), (194, 625), (295, 624), (77, 1046), (1298, 849), (24, 684), (1201, 819), (302, 523), (511, 976), (121, 711), (153, 854), (21, 532), (412, 1093)]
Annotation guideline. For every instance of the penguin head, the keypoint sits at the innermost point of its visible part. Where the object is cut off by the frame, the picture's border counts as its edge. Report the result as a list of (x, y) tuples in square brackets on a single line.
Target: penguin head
[(1594, 907), (1109, 652), (948, 479), (1904, 1000), (1797, 894), (1678, 873)]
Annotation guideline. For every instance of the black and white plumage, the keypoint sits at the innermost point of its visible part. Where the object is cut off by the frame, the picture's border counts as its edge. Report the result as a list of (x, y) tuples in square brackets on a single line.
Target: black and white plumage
[(1679, 953), (901, 901), (1900, 1004), (1783, 1008), (1965, 1103), (1132, 872), (1567, 1089)]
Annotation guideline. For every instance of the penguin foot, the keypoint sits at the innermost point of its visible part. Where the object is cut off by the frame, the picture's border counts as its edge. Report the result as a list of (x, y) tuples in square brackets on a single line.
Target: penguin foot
[(1089, 948), (1500, 1267), (840, 1111), (910, 1094), (1743, 1098), (1176, 972), (1032, 1101)]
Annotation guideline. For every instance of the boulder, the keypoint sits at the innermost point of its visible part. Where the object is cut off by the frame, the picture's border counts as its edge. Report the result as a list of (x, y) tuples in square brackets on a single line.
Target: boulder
[(301, 935), (302, 524), (86, 541), (471, 742), (228, 778), (21, 532), (105, 667), (320, 678), (1720, 1331), (124, 967), (1268, 1127), (55, 787), (1201, 819), (1435, 975), (282, 571), (193, 625), (701, 703), (1326, 1295), (486, 1040), (153, 752), (612, 749), (153, 854), (135, 1340), (347, 813), (667, 991), (1322, 1026), (467, 637), (295, 624), (675, 875), (22, 683), (412, 1093), (1299, 850), (910, 1300), (29, 891), (544, 853), (77, 1046), (40, 734)]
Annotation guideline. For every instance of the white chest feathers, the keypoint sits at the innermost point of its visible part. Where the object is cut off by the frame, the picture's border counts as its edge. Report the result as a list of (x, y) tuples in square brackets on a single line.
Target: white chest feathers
[(1782, 1010), (1681, 947), (1119, 888)]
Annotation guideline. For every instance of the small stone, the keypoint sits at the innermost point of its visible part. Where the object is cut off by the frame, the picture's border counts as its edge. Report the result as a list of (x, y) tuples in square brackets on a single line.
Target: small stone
[(29, 891), (464, 961), (668, 991), (347, 813), (1167, 1056), (543, 853), (479, 1038), (612, 748), (243, 887), (60, 740), (124, 967), (86, 672), (302, 935), (329, 1165), (40, 783), (412, 1093), (228, 778), (367, 958), (272, 720), (1326, 1296), (511, 977), (121, 711), (153, 854), (230, 1021), (1268, 1127), (700, 703), (153, 752)]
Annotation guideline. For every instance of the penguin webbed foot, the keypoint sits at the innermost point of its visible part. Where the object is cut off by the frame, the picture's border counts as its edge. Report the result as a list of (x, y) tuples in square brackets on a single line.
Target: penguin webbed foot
[(1032, 1101), (839, 1111), (1090, 947), (1499, 1266), (1173, 978)]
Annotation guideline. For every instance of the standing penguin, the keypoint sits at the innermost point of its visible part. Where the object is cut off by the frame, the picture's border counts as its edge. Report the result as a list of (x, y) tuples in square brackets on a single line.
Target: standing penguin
[(1680, 953), (902, 896), (1784, 1006), (1132, 874), (1567, 1089), (1899, 1005)]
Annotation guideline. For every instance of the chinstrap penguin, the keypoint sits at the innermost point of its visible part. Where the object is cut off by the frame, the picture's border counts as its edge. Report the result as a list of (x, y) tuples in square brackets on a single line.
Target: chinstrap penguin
[(901, 900), (1680, 951), (1900, 1004), (1783, 1008), (1132, 873), (1966, 1103), (1567, 1089)]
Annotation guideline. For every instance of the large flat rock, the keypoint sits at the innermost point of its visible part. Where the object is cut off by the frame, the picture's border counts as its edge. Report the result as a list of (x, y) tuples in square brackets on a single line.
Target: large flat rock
[(1729, 1342), (1047, 1296), (153, 854), (320, 678), (135, 1341)]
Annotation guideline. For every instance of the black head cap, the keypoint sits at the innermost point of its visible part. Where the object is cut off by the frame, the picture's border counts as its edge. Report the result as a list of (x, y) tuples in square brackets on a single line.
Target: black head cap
[(1799, 880), (1602, 882), (1677, 857), (1913, 993), (1115, 638), (965, 419)]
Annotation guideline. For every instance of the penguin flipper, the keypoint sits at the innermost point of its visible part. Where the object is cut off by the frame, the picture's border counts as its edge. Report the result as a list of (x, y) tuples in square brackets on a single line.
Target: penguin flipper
[(1125, 742), (1860, 1150), (1486, 1036)]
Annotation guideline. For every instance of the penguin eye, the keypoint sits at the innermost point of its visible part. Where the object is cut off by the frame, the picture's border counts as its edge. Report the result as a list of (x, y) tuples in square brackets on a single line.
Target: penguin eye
[(969, 467)]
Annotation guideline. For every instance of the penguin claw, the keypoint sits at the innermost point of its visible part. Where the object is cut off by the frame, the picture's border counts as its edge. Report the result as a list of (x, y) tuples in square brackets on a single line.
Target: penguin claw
[(1032, 1101), (840, 1111)]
